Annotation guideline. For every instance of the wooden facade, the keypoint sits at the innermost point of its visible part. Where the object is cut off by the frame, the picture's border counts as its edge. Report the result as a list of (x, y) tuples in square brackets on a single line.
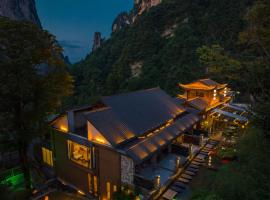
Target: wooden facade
[(100, 180)]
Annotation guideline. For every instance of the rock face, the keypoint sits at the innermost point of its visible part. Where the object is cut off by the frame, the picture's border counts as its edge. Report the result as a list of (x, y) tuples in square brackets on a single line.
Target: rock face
[(121, 21), (20, 10), (97, 41), (124, 19), (143, 5), (136, 68)]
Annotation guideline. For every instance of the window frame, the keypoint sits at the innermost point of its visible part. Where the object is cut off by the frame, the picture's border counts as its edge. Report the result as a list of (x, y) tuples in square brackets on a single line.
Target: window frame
[(47, 156), (88, 152)]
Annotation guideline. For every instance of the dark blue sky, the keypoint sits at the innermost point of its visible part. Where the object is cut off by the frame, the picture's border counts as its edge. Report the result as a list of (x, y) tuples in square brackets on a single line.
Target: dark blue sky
[(74, 22)]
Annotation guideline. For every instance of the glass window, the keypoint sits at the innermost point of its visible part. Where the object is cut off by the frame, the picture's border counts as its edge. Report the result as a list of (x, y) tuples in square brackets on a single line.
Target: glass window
[(114, 188), (79, 154), (47, 156), (108, 190), (95, 186)]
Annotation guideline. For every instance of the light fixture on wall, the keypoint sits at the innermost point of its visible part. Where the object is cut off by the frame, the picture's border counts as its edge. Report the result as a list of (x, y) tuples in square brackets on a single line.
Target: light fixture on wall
[(100, 140), (64, 129), (225, 92), (215, 94)]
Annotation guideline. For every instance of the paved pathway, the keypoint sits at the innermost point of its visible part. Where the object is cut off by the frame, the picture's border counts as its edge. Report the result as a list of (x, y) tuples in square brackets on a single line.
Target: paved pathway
[(180, 185)]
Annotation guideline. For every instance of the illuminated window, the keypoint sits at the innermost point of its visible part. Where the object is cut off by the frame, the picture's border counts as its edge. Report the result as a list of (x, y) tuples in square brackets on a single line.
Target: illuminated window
[(61, 124), (93, 163), (114, 188), (79, 154), (108, 185), (95, 186), (47, 156)]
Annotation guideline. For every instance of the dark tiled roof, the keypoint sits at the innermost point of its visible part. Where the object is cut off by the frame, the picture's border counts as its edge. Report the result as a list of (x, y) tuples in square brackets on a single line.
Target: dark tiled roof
[(144, 110), (110, 126), (180, 101), (198, 103), (144, 148), (209, 82)]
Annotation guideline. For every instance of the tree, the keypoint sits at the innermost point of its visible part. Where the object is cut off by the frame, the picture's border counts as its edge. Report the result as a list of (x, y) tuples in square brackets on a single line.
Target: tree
[(248, 178), (249, 66), (33, 80)]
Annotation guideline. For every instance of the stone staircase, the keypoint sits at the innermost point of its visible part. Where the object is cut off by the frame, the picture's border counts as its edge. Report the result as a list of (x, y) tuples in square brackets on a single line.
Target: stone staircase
[(180, 185)]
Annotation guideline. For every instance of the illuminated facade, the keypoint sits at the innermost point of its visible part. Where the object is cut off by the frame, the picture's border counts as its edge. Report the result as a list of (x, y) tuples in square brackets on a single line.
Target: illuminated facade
[(214, 102), (100, 149), (133, 140)]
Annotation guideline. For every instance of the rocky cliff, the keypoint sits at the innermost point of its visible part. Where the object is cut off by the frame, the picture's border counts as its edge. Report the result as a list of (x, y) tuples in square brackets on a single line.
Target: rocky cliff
[(125, 19), (159, 48), (122, 20), (143, 5), (97, 41), (20, 10)]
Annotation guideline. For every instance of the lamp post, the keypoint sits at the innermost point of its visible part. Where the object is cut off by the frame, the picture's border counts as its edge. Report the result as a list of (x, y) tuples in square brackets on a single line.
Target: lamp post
[(209, 161), (201, 139), (177, 163), (157, 182), (190, 151)]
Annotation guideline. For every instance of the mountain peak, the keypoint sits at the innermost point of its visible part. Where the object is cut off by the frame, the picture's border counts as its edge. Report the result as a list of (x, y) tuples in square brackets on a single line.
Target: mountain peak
[(24, 10)]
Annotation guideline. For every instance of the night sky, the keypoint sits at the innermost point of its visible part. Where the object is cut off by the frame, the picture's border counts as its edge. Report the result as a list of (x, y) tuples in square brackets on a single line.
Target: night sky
[(74, 22)]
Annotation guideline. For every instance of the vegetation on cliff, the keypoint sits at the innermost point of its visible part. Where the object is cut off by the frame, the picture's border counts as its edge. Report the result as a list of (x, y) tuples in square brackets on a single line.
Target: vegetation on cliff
[(248, 67), (164, 41)]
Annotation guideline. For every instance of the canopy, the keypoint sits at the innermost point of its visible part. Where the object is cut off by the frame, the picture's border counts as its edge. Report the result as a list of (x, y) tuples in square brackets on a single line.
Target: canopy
[(143, 148), (230, 115)]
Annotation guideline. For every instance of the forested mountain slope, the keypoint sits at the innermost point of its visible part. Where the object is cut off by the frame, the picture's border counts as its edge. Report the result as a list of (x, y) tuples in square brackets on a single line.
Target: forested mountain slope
[(159, 48)]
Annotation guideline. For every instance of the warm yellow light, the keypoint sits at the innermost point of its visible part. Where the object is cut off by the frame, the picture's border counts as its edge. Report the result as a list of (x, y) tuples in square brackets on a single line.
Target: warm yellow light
[(100, 140), (46, 198), (81, 192), (170, 121), (63, 128), (215, 91)]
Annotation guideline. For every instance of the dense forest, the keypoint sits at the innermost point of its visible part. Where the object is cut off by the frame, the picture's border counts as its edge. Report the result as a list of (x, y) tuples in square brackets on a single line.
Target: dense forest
[(159, 48)]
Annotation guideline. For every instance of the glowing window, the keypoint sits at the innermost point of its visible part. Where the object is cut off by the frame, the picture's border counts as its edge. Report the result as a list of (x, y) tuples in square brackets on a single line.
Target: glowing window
[(114, 188), (79, 154), (47, 156), (108, 185), (95, 186)]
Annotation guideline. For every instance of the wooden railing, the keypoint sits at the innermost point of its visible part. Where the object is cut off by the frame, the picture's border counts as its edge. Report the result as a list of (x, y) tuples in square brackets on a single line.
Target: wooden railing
[(143, 182)]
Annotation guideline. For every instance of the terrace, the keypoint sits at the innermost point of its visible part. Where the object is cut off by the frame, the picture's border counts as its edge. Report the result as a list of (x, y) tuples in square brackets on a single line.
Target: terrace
[(161, 169)]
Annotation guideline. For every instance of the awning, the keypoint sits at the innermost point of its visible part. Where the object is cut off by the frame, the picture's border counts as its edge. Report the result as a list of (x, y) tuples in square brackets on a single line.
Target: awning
[(235, 107), (144, 148), (230, 115)]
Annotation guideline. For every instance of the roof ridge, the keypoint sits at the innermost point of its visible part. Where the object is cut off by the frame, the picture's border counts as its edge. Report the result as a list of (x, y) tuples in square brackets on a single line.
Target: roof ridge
[(132, 92)]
